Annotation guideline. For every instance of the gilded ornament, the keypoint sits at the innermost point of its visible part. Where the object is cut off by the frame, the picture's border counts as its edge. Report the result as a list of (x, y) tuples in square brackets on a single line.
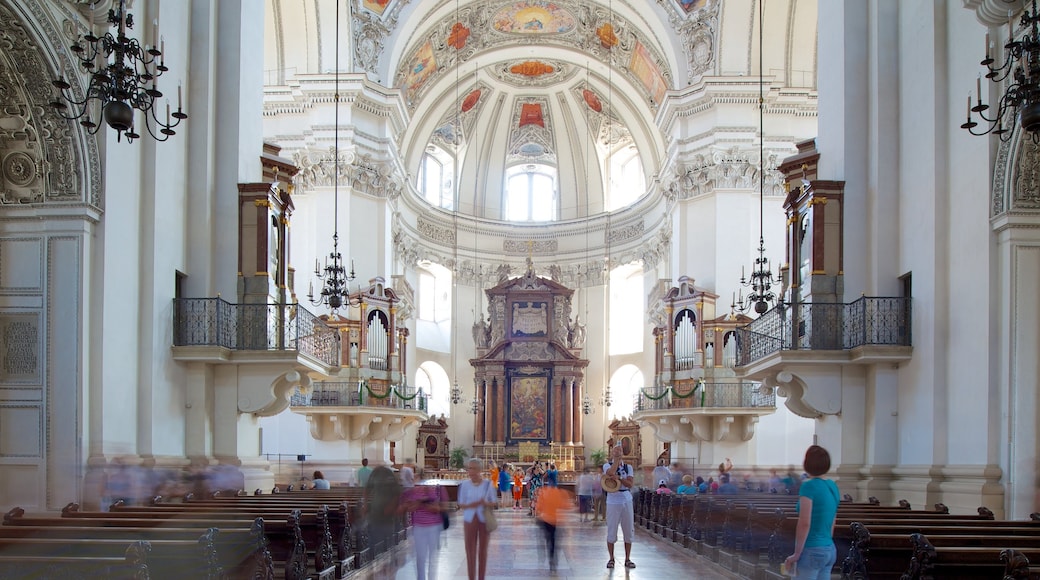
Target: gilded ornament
[(606, 36)]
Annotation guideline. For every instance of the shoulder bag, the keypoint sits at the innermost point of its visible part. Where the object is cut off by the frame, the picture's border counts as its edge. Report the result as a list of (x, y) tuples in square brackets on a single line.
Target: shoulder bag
[(489, 512)]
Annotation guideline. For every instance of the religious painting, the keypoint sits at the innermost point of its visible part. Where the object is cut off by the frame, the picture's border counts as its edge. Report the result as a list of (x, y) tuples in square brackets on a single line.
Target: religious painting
[(648, 72), (530, 319), (626, 446), (528, 407), (533, 17), (592, 100), (471, 100), (420, 68), (377, 6), (531, 114), (691, 5), (431, 444)]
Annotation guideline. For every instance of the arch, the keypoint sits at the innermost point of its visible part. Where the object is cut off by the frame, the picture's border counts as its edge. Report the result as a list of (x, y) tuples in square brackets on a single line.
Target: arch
[(625, 384), (433, 379), (35, 52)]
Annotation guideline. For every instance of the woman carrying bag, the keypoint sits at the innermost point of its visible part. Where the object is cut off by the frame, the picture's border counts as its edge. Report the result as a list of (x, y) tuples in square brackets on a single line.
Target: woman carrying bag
[(476, 498)]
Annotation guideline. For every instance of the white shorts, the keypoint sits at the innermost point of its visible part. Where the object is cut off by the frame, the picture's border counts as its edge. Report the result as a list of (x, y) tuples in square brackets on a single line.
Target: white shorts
[(620, 513)]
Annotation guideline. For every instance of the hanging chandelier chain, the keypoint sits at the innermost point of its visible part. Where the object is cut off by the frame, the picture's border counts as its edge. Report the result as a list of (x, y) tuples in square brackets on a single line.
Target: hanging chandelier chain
[(761, 296), (335, 279)]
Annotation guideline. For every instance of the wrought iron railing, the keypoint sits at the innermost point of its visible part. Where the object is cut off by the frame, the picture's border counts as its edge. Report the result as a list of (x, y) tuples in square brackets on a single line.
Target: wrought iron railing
[(343, 394), (826, 326), (743, 394), (216, 322)]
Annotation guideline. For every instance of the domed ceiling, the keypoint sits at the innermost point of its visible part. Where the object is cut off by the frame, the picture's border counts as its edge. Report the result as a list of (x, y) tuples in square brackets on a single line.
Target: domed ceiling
[(507, 85)]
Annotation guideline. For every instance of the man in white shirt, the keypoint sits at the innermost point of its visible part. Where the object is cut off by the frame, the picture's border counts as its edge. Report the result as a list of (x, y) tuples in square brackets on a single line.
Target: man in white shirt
[(619, 506)]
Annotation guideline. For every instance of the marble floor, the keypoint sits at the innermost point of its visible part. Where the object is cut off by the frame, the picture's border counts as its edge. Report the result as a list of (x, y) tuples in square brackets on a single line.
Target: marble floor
[(517, 553)]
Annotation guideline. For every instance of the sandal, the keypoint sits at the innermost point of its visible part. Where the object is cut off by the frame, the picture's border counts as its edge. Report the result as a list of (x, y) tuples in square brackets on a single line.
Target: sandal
[(610, 563), (630, 564)]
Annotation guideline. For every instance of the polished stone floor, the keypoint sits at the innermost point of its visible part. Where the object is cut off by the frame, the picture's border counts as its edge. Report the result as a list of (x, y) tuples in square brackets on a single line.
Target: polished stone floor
[(517, 553)]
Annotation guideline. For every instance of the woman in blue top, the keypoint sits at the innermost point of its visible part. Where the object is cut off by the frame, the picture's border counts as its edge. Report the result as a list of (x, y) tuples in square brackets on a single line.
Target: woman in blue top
[(814, 551)]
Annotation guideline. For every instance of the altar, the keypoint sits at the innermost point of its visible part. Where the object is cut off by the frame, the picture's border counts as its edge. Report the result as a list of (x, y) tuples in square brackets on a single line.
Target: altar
[(529, 374)]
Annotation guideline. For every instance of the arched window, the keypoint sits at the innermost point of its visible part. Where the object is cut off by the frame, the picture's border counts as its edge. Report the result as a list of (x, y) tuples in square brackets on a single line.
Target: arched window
[(624, 386), (626, 309), (433, 326), (431, 378), (531, 194), (627, 181), (436, 177)]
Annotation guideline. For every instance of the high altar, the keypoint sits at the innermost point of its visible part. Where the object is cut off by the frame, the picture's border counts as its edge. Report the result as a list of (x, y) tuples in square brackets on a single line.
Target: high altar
[(529, 371)]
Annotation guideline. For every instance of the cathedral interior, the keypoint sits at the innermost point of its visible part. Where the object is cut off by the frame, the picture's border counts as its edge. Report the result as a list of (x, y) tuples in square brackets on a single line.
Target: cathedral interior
[(700, 229)]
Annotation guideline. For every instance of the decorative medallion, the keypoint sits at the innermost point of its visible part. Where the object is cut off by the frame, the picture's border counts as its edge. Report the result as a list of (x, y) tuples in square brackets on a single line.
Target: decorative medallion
[(459, 35), (471, 100), (592, 100), (19, 169), (531, 68), (533, 17), (607, 38), (532, 141)]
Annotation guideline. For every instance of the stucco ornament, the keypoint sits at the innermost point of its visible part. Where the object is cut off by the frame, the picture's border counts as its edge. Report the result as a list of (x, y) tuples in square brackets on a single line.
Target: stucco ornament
[(697, 31)]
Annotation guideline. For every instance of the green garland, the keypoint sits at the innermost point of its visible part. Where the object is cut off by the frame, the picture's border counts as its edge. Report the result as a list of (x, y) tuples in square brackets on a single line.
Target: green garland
[(699, 385), (392, 391)]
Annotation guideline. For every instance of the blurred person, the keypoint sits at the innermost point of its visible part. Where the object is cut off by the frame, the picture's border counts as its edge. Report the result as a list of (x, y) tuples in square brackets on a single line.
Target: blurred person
[(320, 482), (426, 503), (598, 499), (814, 551), (505, 484), (662, 488), (687, 487), (552, 503), (408, 473), (661, 472), (584, 488), (518, 488), (552, 475), (493, 476), (676, 477), (363, 473), (619, 506), (702, 486), (475, 493), (382, 496)]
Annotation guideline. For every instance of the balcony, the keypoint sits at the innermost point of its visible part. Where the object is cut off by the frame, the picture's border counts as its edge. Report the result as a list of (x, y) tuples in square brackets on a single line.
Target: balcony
[(708, 412), (868, 331), (356, 411), (215, 331), (706, 398)]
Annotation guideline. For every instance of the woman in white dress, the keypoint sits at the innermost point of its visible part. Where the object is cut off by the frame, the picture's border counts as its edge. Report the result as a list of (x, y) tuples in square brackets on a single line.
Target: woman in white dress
[(475, 493)]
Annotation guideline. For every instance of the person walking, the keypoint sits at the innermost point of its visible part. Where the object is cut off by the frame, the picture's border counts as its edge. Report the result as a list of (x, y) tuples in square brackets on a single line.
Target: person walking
[(814, 551), (474, 494), (426, 504), (619, 506), (363, 473), (552, 502)]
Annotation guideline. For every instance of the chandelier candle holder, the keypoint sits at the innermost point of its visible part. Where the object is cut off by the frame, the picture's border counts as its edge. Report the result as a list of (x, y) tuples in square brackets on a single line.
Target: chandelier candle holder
[(761, 295), (456, 393), (126, 81), (1021, 98)]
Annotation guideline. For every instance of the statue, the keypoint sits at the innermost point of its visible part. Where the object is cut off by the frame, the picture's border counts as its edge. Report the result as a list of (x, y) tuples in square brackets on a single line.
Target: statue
[(480, 333), (576, 333)]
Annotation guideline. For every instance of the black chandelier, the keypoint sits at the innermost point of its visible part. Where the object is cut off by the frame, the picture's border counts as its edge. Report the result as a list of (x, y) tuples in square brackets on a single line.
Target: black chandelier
[(335, 279), (1022, 96), (760, 295), (127, 80)]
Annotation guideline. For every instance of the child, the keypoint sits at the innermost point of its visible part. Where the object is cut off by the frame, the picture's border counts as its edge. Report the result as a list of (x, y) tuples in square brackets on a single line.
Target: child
[(518, 487)]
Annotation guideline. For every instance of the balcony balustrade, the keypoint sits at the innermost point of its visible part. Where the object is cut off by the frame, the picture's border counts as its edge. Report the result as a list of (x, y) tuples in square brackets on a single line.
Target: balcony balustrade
[(867, 322), (706, 396), (200, 322), (351, 394)]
